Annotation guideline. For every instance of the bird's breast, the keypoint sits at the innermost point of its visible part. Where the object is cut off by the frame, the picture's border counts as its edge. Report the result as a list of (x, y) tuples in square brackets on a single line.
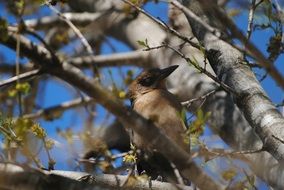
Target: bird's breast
[(162, 108)]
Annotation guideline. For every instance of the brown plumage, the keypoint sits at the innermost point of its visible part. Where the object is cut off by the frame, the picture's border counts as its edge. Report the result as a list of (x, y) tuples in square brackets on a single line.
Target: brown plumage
[(150, 98)]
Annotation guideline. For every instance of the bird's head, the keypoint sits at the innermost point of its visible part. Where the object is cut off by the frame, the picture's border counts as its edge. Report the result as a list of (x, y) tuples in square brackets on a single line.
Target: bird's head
[(149, 80)]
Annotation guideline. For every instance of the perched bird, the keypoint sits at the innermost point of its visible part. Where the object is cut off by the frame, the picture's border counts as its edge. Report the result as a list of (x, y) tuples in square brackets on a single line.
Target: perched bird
[(150, 98)]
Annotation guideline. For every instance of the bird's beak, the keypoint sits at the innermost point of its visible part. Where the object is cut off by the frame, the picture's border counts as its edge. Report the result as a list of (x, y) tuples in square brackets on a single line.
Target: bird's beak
[(167, 71)]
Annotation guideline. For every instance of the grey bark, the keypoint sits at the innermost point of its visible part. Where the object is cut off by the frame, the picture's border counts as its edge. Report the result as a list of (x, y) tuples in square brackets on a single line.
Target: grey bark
[(227, 62), (16, 177), (13, 177)]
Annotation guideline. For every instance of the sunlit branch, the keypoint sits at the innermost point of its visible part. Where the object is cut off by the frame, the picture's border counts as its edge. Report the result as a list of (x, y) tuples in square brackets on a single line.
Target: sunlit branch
[(79, 19), (23, 76), (50, 111), (135, 58), (30, 178)]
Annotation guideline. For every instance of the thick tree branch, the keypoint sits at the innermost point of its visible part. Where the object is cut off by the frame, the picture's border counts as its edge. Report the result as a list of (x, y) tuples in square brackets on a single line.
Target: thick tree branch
[(249, 95), (15, 177)]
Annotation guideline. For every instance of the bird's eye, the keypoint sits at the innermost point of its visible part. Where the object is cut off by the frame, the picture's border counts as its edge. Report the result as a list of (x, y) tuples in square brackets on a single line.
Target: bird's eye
[(147, 81)]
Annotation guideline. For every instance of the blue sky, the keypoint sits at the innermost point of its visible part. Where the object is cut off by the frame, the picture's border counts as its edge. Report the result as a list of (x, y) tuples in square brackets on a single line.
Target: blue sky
[(56, 92)]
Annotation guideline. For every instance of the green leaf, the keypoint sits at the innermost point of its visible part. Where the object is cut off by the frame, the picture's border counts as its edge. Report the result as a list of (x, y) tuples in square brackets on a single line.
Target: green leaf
[(143, 43), (12, 93), (23, 87), (197, 126), (130, 158), (38, 131)]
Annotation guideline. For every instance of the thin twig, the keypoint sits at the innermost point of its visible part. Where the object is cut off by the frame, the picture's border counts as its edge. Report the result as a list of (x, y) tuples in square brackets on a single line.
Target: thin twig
[(37, 36), (279, 139), (51, 162), (177, 174), (130, 173), (189, 102), (165, 26), (78, 33), (73, 27), (19, 96), (91, 161), (134, 58), (59, 108), (78, 19), (22, 76), (153, 48), (223, 153), (4, 131), (120, 155), (259, 2), (202, 70), (250, 19)]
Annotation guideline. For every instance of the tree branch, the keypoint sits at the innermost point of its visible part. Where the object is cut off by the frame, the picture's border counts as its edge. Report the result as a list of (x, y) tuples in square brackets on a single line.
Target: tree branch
[(226, 61), (79, 19), (13, 177), (135, 58), (23, 76), (49, 112)]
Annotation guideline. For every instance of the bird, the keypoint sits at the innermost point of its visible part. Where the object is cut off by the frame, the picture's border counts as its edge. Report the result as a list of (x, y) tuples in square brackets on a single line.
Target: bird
[(150, 98)]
